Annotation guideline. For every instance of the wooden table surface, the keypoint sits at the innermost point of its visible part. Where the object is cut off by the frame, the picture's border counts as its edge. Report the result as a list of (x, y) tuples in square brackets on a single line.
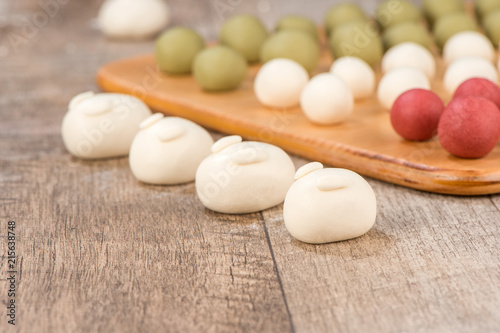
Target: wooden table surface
[(100, 252)]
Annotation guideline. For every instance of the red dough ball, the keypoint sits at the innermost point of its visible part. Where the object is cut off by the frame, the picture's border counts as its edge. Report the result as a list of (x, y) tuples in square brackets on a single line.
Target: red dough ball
[(481, 88), (415, 114), (469, 127)]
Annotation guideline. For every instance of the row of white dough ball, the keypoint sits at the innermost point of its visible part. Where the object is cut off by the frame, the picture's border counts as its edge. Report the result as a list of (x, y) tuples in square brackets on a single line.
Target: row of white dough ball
[(328, 98), (407, 66), (232, 176)]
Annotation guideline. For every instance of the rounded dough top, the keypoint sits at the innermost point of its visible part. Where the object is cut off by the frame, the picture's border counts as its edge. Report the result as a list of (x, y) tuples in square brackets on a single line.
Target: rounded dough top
[(102, 125), (168, 150), (133, 19), (244, 177), (329, 205)]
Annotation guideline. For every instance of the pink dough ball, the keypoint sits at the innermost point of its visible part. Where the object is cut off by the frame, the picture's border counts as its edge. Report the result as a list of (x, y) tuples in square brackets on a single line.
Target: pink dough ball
[(469, 127), (415, 114), (481, 88)]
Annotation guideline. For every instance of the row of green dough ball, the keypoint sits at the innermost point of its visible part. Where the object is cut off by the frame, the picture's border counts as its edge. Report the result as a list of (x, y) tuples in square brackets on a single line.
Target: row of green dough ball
[(247, 34), (443, 29), (181, 50), (243, 40), (361, 38), (488, 12), (449, 17), (434, 10), (387, 14), (453, 18), (351, 33), (295, 37)]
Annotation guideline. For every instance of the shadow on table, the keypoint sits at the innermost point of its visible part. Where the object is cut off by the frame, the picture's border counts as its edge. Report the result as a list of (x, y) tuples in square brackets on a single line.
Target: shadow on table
[(372, 243)]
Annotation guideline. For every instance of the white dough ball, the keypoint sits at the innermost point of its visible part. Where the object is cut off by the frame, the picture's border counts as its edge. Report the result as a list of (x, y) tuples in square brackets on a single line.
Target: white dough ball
[(358, 75), (467, 68), (328, 205), (327, 99), (279, 83), (399, 80), (102, 125), (409, 55), (243, 177), (468, 44), (133, 19), (168, 150)]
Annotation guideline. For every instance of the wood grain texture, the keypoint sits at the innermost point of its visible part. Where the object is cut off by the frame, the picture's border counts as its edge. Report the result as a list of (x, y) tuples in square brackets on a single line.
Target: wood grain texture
[(101, 252), (364, 143), (429, 267)]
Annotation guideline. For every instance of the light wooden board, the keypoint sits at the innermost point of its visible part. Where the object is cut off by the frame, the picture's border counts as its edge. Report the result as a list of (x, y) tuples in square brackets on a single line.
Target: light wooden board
[(365, 143)]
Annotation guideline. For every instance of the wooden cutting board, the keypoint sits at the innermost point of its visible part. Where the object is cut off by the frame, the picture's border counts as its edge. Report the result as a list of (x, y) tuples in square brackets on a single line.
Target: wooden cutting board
[(365, 143)]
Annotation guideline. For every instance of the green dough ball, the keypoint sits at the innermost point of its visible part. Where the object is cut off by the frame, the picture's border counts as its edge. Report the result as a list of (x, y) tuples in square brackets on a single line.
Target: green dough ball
[(176, 49), (245, 34), (451, 24), (392, 12), (292, 44), (484, 7), (295, 22), (434, 9), (219, 68), (492, 26), (406, 32), (357, 38), (342, 13)]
